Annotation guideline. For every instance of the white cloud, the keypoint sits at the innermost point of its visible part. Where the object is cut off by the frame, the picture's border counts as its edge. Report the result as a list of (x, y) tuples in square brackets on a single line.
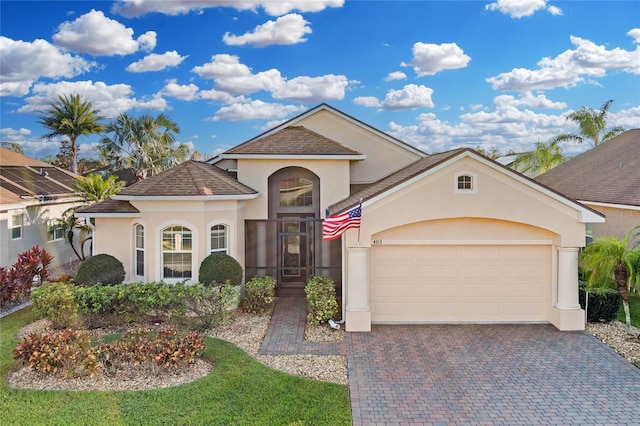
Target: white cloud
[(134, 8), (98, 35), (255, 110), (220, 96), (368, 101), (554, 10), (430, 59), (527, 99), (410, 96), (312, 89), (635, 33), (396, 75), (109, 100), (288, 29), (518, 8), (21, 63), (157, 62), (185, 92), (570, 67)]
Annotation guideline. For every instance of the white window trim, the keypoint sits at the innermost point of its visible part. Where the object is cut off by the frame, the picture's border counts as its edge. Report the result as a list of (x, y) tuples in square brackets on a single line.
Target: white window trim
[(135, 249), (20, 226), (195, 255), (474, 183), (230, 231), (55, 225)]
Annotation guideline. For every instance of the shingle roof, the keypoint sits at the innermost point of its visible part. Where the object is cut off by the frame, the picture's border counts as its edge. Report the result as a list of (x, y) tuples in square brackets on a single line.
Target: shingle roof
[(608, 173), (110, 206), (295, 140), (22, 177), (191, 178), (384, 184)]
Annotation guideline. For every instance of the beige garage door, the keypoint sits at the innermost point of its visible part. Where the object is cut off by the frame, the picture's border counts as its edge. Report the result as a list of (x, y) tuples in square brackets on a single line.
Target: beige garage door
[(463, 283)]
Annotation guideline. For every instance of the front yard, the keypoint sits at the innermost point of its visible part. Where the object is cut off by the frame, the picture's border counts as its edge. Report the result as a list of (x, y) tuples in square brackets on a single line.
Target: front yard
[(239, 390)]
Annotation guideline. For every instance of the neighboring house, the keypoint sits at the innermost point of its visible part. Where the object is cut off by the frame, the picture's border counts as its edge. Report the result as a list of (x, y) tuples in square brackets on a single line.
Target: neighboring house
[(605, 178), (450, 237), (33, 197)]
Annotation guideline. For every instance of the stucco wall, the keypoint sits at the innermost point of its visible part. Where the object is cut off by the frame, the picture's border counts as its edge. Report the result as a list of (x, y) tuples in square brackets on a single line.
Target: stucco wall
[(34, 232), (619, 221), (383, 156), (333, 174)]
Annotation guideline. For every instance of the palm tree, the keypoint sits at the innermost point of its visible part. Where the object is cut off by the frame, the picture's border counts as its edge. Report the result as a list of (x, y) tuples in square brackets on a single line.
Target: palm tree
[(592, 125), (607, 257), (145, 144), (12, 146), (72, 117), (543, 158), (92, 188)]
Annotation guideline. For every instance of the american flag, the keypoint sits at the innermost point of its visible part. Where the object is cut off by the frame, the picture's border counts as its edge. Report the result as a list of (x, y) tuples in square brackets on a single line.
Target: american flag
[(334, 226)]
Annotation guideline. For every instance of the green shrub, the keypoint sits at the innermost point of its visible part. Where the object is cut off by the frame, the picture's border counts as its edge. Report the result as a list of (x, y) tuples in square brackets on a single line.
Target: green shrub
[(100, 269), (321, 300), (55, 302), (200, 307), (604, 304), (218, 268), (259, 294)]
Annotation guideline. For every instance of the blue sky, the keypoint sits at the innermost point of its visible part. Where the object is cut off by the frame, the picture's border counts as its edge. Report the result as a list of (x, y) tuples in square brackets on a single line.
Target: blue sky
[(436, 74)]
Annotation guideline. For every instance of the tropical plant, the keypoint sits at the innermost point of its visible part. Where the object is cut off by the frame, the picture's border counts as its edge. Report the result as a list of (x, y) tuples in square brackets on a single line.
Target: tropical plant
[(610, 257), (71, 117), (94, 188), (592, 125), (543, 158), (145, 144), (12, 146)]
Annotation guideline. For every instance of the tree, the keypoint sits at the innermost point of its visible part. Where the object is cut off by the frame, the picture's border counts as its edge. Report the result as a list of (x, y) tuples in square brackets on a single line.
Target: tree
[(12, 146), (71, 117), (145, 144), (592, 125), (610, 257), (543, 158), (93, 189)]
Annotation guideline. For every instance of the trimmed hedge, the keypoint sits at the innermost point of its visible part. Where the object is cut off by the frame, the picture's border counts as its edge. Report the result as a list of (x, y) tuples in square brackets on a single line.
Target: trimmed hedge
[(100, 269), (259, 294), (219, 268), (604, 304), (322, 304)]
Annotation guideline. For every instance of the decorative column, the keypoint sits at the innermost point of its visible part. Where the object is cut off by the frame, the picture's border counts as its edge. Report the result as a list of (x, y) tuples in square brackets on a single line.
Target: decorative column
[(567, 314), (358, 312)]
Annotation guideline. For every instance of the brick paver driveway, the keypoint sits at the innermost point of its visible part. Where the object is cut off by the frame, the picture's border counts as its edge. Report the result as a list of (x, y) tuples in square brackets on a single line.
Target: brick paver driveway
[(488, 374)]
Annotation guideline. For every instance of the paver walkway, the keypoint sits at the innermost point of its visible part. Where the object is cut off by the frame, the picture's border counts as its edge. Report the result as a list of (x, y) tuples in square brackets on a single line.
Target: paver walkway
[(473, 374)]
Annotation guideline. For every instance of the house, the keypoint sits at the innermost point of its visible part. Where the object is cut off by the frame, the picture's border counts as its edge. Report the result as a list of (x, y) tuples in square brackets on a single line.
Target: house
[(450, 237), (607, 179), (33, 197)]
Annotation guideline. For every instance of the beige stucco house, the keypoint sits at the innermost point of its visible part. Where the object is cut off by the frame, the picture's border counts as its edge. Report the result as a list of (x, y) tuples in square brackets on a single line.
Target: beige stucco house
[(607, 179), (33, 198), (451, 237)]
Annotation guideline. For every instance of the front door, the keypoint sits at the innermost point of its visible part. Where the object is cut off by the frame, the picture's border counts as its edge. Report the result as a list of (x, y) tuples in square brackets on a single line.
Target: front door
[(295, 253)]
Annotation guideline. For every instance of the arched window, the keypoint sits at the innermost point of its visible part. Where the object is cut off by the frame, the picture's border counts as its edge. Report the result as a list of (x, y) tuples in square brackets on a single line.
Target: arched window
[(176, 252), (219, 239), (296, 192), (465, 183), (139, 254)]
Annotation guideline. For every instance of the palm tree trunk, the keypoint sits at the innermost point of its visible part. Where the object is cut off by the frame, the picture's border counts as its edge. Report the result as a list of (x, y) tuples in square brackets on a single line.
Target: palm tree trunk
[(621, 277)]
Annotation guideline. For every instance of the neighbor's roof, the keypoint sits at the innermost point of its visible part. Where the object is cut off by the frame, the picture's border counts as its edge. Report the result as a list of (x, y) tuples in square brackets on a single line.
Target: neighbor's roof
[(109, 206), (24, 178), (608, 173), (291, 141), (189, 179)]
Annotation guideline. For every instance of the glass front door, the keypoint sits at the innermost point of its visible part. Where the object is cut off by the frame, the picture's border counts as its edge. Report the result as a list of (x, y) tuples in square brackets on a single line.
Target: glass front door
[(295, 251)]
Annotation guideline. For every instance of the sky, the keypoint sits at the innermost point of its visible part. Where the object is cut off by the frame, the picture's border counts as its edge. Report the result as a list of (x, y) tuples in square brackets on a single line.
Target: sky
[(436, 74)]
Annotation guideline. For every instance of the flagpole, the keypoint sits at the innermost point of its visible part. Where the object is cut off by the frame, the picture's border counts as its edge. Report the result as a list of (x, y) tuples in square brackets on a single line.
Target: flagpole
[(360, 219)]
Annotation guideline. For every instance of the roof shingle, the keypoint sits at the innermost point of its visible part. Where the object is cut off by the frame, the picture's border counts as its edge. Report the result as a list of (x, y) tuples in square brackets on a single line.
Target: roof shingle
[(607, 173)]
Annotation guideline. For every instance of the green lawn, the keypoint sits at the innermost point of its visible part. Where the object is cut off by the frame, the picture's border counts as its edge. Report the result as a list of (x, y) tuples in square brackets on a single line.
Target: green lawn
[(634, 308), (239, 391)]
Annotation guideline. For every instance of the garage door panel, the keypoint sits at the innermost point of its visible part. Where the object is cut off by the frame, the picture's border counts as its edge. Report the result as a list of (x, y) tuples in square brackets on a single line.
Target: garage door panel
[(472, 283)]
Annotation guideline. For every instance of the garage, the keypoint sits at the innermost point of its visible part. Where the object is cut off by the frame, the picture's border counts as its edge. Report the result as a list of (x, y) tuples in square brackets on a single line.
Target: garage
[(414, 283)]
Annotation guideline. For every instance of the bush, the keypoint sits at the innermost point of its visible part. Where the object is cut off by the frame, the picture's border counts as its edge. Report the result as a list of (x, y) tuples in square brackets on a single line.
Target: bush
[(321, 300), (604, 304), (56, 302), (101, 268), (16, 282), (259, 294), (56, 352), (219, 268), (201, 307)]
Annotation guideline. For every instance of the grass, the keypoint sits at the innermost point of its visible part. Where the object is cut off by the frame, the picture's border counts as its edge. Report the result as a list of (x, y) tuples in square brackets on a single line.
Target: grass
[(239, 391), (634, 309)]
